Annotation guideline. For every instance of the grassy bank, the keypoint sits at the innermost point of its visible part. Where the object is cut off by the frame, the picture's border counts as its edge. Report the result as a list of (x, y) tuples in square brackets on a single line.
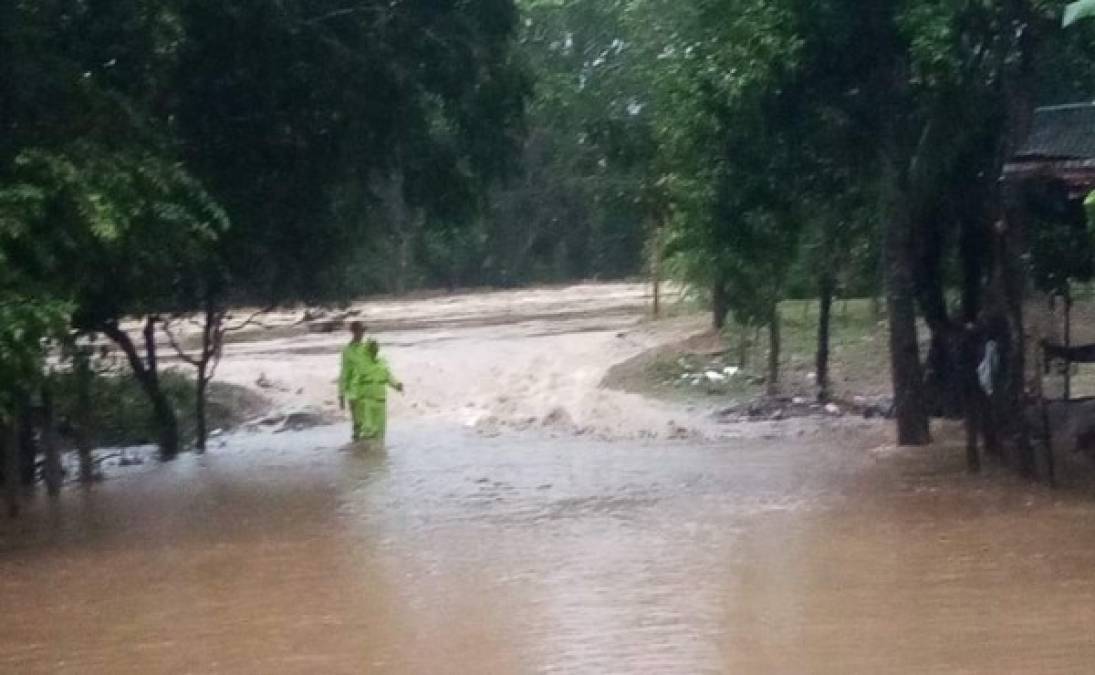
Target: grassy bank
[(123, 414), (859, 364)]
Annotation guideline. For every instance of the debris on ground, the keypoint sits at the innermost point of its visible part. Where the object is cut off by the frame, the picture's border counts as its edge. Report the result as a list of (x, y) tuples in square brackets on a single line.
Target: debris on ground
[(776, 408), (293, 420)]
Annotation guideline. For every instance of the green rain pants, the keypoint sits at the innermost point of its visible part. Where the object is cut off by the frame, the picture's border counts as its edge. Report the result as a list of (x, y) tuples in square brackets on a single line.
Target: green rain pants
[(370, 419)]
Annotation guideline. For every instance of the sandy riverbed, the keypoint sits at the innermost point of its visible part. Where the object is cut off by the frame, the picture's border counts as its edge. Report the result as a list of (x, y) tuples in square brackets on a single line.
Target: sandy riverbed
[(495, 362)]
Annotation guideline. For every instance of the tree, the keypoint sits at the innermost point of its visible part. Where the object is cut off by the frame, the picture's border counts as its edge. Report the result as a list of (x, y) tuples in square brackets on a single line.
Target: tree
[(121, 234), (577, 207), (27, 323), (731, 138)]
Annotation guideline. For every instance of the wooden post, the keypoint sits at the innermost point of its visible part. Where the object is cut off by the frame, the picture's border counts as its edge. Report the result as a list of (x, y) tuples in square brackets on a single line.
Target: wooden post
[(1068, 340)]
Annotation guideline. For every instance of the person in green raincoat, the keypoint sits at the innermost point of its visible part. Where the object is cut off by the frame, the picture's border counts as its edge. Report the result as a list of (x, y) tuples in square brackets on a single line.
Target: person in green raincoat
[(375, 405), (362, 384), (352, 377)]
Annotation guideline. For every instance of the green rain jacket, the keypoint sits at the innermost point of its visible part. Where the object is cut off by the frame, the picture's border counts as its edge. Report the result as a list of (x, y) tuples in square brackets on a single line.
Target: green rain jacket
[(357, 364), (364, 377)]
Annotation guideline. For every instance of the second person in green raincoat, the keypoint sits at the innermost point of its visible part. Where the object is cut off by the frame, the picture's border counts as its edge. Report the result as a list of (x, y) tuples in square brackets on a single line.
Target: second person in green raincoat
[(375, 400)]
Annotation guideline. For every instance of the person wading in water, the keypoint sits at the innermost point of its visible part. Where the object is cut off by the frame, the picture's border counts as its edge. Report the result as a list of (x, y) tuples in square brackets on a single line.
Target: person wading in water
[(375, 399), (363, 383)]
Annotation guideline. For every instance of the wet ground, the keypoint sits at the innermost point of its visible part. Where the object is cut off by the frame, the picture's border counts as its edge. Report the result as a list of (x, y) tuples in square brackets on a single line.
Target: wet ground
[(454, 553)]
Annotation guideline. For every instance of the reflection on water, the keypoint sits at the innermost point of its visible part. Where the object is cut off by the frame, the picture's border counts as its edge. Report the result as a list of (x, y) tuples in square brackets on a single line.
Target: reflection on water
[(456, 554)]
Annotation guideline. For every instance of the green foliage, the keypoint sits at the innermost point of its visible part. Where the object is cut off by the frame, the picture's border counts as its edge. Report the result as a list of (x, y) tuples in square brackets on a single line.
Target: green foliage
[(117, 232), (577, 208), (27, 325), (1077, 10), (294, 114), (730, 144)]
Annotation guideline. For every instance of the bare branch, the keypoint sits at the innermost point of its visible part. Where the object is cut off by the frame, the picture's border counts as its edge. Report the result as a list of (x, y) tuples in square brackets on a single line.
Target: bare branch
[(251, 320), (179, 351)]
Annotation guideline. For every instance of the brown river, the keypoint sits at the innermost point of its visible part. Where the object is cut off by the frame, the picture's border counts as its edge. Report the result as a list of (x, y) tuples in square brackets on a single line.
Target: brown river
[(525, 520), (454, 553)]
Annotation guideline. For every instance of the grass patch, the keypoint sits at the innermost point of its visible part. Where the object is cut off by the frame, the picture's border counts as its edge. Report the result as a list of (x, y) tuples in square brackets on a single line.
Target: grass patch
[(123, 414), (859, 359)]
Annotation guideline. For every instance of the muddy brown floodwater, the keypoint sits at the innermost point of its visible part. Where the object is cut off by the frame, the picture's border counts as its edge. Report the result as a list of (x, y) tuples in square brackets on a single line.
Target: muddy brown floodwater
[(520, 524), (454, 553)]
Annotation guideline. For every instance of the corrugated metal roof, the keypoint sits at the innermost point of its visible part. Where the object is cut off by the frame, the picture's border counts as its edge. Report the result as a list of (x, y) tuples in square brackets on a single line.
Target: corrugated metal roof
[(1062, 132)]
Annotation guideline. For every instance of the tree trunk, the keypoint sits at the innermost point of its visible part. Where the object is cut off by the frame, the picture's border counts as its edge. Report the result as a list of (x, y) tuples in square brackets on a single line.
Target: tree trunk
[(825, 305), (942, 375), (656, 278), (1019, 86), (9, 444), (972, 396), (1011, 401), (911, 413), (743, 346), (773, 350), (720, 305), (656, 271), (201, 386), (147, 375), (210, 347), (28, 447), (972, 245), (54, 473), (84, 434)]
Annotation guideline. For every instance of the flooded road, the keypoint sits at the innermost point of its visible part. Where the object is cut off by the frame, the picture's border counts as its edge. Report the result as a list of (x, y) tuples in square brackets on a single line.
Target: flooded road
[(454, 553)]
